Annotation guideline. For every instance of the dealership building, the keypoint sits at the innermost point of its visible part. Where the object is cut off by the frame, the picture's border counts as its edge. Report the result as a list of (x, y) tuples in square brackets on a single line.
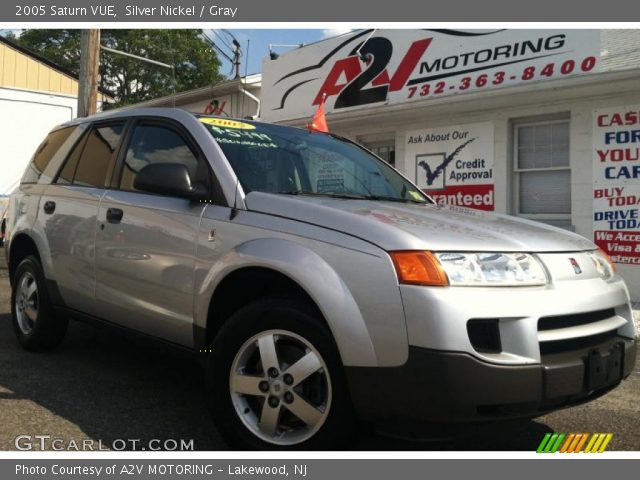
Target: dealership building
[(540, 124)]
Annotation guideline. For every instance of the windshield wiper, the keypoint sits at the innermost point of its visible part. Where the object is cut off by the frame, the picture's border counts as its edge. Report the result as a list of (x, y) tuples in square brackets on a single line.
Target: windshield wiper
[(393, 199), (300, 192), (350, 196)]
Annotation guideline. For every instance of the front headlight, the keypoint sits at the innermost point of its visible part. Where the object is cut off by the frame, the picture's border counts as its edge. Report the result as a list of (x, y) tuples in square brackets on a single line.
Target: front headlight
[(604, 265), (494, 269)]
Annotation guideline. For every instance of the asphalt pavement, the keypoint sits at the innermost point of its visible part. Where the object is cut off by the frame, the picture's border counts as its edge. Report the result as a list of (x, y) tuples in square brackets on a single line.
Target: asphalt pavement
[(102, 386)]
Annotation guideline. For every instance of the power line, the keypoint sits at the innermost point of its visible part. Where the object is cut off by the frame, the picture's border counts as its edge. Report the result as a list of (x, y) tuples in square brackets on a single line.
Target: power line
[(216, 47), (222, 40), (229, 49), (229, 34), (244, 80), (234, 57), (222, 52)]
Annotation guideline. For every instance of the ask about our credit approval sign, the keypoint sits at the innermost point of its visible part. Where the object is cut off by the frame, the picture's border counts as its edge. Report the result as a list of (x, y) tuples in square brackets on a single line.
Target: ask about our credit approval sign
[(369, 68), (453, 164), (616, 182)]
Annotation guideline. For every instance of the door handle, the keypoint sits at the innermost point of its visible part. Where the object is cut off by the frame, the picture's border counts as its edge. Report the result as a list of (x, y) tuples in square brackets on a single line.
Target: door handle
[(49, 207), (114, 215)]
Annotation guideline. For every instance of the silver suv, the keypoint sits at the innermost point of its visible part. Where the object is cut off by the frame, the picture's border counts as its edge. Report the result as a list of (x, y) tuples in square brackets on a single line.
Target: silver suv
[(317, 283)]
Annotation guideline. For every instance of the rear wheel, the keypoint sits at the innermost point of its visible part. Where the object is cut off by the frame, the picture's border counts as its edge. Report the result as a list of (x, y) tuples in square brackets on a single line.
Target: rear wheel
[(34, 321), (276, 380)]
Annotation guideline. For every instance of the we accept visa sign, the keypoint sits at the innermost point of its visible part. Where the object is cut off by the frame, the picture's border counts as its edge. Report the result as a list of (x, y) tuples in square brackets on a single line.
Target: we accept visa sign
[(368, 68)]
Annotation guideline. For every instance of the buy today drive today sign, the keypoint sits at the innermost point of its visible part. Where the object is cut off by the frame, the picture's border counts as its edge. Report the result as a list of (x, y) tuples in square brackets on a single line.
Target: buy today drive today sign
[(376, 67)]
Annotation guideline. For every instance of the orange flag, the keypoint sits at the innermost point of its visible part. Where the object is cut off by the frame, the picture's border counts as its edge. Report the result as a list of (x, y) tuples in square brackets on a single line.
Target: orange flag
[(319, 122)]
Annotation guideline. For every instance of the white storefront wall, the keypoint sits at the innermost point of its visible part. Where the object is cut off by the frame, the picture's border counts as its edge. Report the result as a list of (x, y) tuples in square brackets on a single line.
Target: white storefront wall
[(520, 107)]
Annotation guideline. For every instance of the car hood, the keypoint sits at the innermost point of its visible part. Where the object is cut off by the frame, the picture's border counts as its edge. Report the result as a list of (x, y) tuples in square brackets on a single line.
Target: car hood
[(400, 226)]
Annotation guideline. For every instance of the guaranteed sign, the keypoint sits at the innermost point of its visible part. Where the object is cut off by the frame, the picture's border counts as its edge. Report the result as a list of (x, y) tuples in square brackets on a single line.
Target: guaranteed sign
[(454, 164), (616, 182)]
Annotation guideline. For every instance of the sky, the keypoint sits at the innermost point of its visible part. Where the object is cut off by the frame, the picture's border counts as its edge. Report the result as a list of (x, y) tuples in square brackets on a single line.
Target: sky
[(259, 40)]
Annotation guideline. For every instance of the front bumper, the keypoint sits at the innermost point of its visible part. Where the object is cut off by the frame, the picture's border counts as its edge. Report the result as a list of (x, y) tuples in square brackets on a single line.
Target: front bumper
[(440, 386), (437, 318)]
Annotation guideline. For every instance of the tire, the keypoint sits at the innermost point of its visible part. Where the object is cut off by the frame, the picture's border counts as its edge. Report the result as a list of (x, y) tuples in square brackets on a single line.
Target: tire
[(34, 322), (321, 398)]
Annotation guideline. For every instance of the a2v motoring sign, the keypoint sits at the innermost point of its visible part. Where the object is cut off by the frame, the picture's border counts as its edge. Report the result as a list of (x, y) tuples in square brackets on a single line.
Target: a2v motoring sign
[(453, 164), (616, 182), (370, 68)]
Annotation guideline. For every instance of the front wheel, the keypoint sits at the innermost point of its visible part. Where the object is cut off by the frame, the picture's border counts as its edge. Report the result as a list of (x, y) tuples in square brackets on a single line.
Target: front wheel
[(276, 381)]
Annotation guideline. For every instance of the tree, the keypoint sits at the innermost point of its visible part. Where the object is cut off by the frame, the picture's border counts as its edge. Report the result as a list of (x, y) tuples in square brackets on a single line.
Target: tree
[(128, 80)]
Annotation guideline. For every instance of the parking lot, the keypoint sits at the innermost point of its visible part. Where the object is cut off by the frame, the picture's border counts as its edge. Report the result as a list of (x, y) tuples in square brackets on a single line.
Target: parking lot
[(102, 386)]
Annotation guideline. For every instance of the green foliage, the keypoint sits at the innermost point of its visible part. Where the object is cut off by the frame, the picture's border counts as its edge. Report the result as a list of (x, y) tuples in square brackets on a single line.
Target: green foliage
[(128, 80)]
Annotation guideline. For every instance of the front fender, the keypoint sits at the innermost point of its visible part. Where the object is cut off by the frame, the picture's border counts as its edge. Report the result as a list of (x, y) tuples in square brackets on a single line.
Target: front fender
[(314, 275)]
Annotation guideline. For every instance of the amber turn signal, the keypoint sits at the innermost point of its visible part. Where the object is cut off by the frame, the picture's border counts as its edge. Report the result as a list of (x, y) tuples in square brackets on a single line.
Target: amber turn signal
[(419, 268), (609, 259)]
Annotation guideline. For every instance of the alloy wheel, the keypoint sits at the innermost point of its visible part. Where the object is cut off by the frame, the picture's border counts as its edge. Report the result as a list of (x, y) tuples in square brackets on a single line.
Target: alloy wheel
[(280, 387), (27, 301)]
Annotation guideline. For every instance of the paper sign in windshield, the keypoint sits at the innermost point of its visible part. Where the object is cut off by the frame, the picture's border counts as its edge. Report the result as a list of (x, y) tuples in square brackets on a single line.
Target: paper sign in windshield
[(223, 122), (237, 134)]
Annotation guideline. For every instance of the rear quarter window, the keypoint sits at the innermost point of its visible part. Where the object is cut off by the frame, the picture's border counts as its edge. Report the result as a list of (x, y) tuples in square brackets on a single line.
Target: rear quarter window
[(45, 152)]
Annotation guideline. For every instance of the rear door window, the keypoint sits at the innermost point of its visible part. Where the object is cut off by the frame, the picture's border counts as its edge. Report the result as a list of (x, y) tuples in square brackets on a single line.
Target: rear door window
[(45, 152), (90, 163)]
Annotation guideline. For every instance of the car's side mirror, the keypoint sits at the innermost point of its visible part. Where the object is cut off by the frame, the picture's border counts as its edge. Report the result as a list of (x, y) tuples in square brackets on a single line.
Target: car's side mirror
[(168, 179)]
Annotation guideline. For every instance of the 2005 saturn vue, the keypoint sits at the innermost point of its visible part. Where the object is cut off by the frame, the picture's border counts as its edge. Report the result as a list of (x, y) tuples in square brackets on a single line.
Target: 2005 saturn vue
[(323, 285)]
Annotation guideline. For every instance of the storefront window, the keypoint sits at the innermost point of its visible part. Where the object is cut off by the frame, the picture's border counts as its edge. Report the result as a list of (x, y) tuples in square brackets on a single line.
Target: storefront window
[(542, 172), (385, 150)]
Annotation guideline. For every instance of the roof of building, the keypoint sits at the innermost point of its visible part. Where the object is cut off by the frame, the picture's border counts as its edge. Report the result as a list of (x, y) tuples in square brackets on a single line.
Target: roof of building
[(37, 57), (40, 59), (250, 82)]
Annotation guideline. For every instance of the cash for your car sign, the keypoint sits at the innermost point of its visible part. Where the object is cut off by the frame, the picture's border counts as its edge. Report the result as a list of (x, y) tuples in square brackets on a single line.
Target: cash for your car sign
[(454, 164), (377, 67), (616, 182)]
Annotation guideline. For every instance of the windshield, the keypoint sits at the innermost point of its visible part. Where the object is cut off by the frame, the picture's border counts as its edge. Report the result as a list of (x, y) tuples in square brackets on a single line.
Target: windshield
[(287, 160)]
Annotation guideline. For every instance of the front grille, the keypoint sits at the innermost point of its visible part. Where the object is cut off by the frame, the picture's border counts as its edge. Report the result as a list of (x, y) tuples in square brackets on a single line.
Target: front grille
[(576, 344), (566, 321)]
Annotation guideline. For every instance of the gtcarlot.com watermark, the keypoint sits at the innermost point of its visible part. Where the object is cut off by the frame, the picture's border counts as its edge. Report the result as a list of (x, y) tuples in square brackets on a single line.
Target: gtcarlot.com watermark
[(48, 442)]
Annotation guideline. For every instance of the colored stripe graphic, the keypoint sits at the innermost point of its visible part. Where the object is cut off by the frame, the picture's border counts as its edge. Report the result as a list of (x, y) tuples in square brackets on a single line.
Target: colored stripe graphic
[(543, 443), (598, 442), (579, 446), (592, 440), (551, 443), (574, 442), (606, 442), (568, 442)]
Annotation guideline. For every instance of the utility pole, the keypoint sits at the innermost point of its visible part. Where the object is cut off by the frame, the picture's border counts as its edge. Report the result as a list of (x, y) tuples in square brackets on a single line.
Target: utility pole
[(89, 62), (236, 57)]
